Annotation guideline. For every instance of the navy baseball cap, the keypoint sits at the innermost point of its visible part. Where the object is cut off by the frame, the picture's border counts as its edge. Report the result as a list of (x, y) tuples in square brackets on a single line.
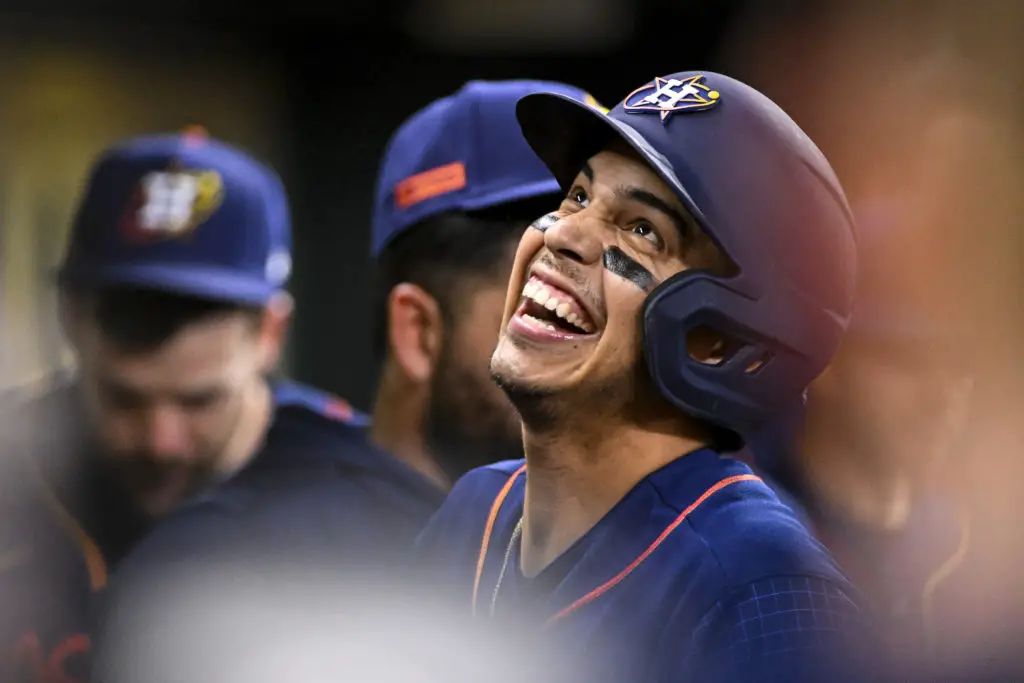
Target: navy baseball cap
[(464, 152), (183, 214)]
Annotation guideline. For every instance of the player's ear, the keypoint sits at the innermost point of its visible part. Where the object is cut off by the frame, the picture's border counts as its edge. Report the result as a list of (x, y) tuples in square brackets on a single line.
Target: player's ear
[(272, 329), (415, 331)]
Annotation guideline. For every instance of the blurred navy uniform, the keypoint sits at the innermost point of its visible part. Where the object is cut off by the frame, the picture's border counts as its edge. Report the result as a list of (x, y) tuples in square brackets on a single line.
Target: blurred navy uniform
[(66, 523), (694, 570)]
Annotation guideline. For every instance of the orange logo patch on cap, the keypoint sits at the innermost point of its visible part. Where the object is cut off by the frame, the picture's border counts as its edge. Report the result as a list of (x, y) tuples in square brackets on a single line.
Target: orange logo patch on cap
[(430, 184)]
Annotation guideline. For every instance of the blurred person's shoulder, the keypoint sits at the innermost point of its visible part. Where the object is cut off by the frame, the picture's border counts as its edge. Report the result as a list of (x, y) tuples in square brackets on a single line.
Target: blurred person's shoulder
[(319, 496), (318, 489), (318, 442)]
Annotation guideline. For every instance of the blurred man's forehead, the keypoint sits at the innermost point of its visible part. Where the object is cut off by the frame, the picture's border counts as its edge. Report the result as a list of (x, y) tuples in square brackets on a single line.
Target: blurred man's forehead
[(129, 383), (215, 334), (197, 357)]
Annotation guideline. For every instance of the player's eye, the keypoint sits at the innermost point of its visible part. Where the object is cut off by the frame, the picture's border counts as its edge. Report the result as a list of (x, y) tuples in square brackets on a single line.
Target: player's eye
[(202, 400), (578, 196), (120, 398), (647, 231)]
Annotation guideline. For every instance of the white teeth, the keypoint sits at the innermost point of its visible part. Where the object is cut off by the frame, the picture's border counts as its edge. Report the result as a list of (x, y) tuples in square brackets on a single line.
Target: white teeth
[(538, 292), (542, 323)]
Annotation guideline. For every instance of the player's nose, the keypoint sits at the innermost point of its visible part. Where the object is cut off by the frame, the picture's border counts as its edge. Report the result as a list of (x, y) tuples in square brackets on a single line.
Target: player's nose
[(166, 433), (576, 237)]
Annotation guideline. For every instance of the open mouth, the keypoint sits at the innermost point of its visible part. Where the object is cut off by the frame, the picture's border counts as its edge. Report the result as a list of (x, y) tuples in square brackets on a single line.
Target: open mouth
[(545, 307)]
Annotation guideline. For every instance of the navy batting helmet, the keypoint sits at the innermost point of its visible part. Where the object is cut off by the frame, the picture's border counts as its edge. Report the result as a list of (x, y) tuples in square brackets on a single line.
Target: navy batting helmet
[(766, 195)]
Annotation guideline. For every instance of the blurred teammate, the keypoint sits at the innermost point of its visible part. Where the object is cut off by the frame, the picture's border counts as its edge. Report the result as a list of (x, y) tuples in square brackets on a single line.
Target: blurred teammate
[(457, 188), (172, 298), (864, 460), (698, 273)]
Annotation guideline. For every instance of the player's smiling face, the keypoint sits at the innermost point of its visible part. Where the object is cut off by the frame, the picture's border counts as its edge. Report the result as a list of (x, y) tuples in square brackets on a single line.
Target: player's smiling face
[(581, 276)]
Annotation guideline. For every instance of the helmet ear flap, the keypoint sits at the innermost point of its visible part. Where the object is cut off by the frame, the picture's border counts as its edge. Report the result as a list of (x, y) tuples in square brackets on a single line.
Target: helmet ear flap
[(706, 355), (711, 346)]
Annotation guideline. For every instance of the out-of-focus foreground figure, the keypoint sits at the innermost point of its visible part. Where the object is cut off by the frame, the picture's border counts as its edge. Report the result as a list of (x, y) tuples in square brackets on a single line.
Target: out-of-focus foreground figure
[(920, 105)]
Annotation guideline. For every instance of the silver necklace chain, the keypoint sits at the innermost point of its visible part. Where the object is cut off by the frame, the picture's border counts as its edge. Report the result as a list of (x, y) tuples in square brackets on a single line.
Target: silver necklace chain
[(516, 533)]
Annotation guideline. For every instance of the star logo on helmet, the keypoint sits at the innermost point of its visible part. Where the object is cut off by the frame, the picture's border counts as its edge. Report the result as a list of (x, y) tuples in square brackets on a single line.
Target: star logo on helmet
[(666, 96)]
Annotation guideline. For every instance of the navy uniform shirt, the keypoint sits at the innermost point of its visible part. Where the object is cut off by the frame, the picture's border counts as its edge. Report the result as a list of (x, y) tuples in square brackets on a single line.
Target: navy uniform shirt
[(320, 501), (698, 574)]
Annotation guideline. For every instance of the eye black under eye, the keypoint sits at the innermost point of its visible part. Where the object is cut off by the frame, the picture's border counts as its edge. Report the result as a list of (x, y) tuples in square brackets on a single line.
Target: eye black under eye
[(647, 231)]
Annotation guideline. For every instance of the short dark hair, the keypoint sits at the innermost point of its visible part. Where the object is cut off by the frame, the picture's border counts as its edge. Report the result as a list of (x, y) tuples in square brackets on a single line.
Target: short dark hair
[(444, 252), (138, 320)]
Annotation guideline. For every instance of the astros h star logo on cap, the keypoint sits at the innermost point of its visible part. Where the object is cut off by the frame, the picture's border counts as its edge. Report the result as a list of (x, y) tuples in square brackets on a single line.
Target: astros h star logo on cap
[(667, 96), (171, 204)]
